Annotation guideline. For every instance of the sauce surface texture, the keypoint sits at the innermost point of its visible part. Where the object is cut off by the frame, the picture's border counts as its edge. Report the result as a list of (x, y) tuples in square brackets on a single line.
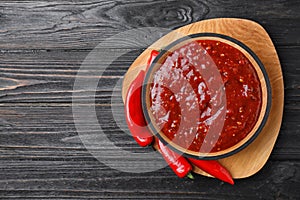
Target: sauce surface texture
[(206, 96)]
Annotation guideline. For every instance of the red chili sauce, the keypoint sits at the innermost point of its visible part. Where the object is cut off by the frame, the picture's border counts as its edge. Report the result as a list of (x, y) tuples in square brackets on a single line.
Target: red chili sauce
[(206, 96)]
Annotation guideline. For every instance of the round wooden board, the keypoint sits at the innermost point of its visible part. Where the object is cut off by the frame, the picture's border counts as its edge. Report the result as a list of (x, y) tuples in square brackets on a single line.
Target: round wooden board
[(250, 160)]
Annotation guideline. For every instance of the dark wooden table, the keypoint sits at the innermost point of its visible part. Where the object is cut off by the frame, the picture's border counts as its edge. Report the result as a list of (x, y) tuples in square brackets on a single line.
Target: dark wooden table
[(42, 45)]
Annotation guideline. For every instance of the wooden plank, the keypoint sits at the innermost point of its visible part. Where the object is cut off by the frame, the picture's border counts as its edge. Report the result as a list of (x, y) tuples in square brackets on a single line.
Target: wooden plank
[(39, 131), (82, 25), (89, 179), (48, 77)]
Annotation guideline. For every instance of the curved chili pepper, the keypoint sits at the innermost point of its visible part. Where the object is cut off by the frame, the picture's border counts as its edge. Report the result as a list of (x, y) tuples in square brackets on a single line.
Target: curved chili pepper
[(133, 108), (153, 55), (134, 113), (178, 164), (214, 168)]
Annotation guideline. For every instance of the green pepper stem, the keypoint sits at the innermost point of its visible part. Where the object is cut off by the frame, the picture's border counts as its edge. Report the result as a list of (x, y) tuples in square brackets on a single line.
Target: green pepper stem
[(190, 176)]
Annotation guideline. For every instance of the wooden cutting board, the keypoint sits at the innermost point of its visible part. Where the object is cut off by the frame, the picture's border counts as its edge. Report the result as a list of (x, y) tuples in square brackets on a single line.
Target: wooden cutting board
[(251, 159)]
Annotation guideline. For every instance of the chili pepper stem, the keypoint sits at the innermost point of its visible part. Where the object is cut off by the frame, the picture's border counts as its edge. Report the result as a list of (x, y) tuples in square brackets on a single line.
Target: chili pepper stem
[(190, 176)]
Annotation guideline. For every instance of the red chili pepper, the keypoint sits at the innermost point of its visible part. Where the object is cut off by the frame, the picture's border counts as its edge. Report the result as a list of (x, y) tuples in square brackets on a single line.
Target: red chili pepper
[(134, 113), (178, 164), (153, 55), (214, 168)]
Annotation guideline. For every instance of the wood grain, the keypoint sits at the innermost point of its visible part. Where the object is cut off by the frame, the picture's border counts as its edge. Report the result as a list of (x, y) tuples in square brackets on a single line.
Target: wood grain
[(83, 24), (43, 44)]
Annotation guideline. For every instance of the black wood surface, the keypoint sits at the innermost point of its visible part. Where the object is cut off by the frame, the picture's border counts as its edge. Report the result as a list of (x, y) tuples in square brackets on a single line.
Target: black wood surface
[(42, 45)]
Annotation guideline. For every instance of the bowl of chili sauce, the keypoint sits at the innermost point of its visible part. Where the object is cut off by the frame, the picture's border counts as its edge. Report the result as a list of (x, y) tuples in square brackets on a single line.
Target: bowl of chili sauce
[(206, 95)]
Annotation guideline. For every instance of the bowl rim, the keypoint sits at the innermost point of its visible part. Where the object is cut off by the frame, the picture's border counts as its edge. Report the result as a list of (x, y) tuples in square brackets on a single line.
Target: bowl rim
[(244, 47)]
